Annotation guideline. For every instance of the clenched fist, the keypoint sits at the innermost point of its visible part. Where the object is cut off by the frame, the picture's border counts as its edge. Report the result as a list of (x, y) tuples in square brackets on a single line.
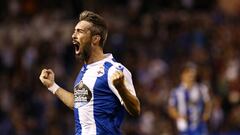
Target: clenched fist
[(47, 77), (118, 79)]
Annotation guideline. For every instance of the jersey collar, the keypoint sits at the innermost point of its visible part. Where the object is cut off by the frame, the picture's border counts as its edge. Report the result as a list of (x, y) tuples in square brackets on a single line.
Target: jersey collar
[(108, 56)]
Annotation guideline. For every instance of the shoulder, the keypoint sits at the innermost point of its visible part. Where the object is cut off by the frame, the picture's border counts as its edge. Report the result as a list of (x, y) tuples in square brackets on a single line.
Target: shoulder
[(174, 91), (202, 87), (116, 66), (178, 88)]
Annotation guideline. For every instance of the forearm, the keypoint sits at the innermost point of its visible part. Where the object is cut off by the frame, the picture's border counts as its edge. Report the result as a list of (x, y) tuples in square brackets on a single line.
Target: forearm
[(173, 113), (47, 78), (66, 97), (207, 111), (130, 101)]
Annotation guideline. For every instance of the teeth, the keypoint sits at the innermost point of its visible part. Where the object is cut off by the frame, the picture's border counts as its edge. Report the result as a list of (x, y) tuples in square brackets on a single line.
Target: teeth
[(74, 42)]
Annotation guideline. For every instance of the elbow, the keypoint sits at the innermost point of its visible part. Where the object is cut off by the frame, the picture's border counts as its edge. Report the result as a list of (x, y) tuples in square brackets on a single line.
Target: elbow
[(136, 111), (71, 106)]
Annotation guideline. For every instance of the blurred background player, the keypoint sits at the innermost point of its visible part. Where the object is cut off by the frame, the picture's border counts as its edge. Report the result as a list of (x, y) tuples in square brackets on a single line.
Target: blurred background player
[(189, 103), (35, 34), (103, 87)]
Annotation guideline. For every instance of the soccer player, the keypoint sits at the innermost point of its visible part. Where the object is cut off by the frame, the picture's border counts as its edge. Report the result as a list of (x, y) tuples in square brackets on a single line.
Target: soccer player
[(103, 90), (189, 103)]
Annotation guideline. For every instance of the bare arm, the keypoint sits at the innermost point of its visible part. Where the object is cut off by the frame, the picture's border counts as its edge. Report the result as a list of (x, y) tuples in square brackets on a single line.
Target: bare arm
[(131, 102), (66, 97), (207, 111), (181, 121), (207, 103), (172, 111), (47, 78)]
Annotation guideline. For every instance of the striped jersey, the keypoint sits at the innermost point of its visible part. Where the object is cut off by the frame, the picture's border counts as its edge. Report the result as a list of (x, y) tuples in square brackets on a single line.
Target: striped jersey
[(98, 107), (190, 103)]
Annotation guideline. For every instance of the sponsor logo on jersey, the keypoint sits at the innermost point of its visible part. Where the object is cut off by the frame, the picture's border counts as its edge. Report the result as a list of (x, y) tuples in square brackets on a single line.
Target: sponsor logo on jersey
[(82, 94), (100, 71), (120, 68)]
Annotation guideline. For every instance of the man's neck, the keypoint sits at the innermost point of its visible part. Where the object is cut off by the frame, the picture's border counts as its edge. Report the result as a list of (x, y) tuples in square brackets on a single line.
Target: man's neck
[(95, 56), (188, 85)]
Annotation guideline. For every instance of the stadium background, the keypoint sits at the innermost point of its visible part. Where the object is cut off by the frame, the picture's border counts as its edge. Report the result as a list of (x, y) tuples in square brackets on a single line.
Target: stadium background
[(151, 37)]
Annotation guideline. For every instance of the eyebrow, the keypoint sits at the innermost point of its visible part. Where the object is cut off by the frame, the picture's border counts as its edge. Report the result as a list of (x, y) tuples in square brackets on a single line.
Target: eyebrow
[(79, 30)]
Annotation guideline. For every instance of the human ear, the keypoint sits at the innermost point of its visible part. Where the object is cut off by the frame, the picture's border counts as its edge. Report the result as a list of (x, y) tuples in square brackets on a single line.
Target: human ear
[(96, 39)]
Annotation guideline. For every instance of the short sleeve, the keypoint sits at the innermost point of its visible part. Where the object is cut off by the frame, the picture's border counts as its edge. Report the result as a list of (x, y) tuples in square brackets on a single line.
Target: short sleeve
[(172, 99), (205, 93), (127, 80)]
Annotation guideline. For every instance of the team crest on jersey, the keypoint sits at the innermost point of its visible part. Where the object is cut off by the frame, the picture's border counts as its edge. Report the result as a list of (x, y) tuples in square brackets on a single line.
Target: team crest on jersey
[(82, 94), (100, 71), (119, 67)]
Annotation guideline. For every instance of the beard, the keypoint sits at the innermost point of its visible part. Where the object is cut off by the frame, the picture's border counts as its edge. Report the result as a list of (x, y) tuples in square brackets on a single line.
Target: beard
[(86, 52)]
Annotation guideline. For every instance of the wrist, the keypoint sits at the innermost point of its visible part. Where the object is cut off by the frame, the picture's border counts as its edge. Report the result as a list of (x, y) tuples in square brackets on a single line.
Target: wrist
[(53, 88), (119, 85), (182, 124), (206, 117), (120, 88)]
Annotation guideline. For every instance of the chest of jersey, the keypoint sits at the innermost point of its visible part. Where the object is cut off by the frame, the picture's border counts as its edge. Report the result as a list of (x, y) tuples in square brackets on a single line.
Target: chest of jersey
[(86, 83)]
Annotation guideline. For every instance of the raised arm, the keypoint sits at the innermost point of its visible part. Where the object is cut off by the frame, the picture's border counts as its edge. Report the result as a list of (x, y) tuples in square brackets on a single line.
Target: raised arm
[(47, 78), (130, 101)]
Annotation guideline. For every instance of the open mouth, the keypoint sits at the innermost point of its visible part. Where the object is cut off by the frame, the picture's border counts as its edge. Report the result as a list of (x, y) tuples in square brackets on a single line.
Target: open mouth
[(77, 47)]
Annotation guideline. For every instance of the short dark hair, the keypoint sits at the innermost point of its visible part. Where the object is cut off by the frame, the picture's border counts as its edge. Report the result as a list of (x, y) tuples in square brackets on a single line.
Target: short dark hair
[(189, 65), (99, 25)]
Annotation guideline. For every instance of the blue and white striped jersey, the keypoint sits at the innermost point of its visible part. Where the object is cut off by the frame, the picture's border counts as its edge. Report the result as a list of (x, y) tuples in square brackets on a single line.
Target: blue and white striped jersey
[(98, 107), (190, 103)]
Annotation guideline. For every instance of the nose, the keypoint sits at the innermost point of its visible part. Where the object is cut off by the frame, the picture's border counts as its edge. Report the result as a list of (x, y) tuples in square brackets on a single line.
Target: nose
[(74, 36)]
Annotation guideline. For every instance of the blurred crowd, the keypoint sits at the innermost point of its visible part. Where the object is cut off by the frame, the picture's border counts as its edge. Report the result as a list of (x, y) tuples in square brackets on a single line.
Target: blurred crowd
[(151, 38)]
